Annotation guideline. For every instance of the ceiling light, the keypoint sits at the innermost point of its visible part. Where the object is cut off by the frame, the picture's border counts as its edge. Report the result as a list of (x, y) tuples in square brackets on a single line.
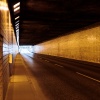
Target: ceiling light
[(16, 9), (17, 22), (16, 5), (17, 17)]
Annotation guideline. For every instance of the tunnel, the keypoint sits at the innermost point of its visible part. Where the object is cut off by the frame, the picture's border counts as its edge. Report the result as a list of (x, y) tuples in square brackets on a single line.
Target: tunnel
[(49, 49)]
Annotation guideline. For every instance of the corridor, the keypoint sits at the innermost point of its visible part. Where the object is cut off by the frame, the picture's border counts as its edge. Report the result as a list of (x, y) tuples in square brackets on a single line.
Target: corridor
[(49, 49), (20, 86)]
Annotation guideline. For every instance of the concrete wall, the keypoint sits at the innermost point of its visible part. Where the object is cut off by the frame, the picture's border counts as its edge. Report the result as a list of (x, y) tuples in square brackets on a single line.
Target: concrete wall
[(7, 46), (83, 44)]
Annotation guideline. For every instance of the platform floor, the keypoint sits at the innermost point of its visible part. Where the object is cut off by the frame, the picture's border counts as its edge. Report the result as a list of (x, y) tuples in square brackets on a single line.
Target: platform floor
[(20, 87)]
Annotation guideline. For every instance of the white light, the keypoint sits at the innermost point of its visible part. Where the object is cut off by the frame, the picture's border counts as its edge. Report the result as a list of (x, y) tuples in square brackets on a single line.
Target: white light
[(3, 8), (16, 9), (17, 27), (16, 18), (17, 22), (17, 4), (17, 32)]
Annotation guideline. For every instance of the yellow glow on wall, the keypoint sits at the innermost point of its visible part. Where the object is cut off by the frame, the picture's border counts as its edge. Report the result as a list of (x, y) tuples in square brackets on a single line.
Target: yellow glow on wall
[(3, 6), (10, 58), (91, 38), (7, 47), (81, 45)]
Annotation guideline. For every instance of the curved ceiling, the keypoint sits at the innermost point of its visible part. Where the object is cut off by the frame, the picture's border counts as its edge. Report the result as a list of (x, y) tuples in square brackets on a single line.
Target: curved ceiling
[(42, 20)]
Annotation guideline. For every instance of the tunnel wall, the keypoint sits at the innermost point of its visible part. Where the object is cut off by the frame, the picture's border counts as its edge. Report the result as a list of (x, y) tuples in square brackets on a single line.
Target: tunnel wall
[(8, 46), (83, 44)]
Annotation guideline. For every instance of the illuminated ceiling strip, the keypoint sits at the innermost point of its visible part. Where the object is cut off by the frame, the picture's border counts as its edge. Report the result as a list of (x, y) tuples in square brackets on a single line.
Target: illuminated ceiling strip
[(17, 22), (17, 31), (16, 9), (17, 27), (17, 4), (17, 17)]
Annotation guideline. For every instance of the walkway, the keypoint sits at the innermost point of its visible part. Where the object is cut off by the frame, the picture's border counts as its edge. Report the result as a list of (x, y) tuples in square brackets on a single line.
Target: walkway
[(20, 87)]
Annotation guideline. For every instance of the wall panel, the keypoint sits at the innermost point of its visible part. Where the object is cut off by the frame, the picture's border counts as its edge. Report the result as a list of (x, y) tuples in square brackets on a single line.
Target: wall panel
[(1, 73), (83, 44), (7, 47)]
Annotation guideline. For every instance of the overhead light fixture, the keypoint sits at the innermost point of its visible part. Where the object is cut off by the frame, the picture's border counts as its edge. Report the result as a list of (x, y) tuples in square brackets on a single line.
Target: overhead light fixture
[(16, 9), (17, 17), (16, 5), (17, 22)]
